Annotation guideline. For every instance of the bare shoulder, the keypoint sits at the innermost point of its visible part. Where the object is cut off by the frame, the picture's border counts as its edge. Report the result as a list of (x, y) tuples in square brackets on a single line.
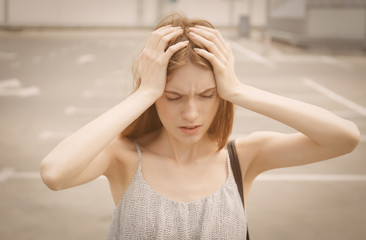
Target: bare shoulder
[(125, 154)]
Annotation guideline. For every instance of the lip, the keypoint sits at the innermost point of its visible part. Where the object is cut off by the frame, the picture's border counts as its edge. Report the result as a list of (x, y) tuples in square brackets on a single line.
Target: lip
[(190, 129)]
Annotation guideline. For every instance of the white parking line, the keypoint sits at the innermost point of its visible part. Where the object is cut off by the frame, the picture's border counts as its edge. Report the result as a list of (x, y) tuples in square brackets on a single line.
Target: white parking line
[(252, 55), (235, 136), (312, 60), (86, 58), (13, 87), (8, 55), (336, 97), (10, 83), (6, 173), (342, 114), (22, 92), (312, 178), (336, 62)]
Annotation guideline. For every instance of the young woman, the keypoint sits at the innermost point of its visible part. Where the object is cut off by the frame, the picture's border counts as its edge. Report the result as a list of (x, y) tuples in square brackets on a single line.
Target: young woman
[(163, 148)]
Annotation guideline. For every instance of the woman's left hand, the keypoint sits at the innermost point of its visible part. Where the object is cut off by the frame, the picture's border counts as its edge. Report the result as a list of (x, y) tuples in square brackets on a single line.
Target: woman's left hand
[(219, 54)]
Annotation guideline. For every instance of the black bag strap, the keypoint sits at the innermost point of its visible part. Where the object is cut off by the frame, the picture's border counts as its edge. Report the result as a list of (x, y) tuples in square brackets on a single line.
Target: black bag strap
[(235, 167)]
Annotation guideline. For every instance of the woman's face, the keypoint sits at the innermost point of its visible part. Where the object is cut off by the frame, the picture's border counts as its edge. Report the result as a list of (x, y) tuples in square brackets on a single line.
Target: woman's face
[(189, 103)]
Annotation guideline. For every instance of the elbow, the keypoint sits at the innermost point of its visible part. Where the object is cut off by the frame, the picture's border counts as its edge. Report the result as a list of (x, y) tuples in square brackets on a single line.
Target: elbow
[(352, 139), (49, 178)]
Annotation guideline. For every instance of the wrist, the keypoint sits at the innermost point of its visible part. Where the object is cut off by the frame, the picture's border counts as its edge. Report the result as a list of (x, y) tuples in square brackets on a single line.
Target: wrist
[(230, 94), (150, 94)]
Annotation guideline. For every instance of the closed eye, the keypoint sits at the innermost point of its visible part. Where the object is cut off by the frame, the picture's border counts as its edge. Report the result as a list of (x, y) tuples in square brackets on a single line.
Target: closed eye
[(211, 95), (208, 96), (173, 98)]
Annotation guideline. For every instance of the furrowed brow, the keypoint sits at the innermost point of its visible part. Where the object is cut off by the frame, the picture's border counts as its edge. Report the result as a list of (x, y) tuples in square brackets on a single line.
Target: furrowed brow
[(173, 92), (181, 94)]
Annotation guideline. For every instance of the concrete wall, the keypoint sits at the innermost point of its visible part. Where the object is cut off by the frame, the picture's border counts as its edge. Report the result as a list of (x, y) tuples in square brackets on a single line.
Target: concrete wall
[(304, 22), (119, 12), (346, 23), (79, 12)]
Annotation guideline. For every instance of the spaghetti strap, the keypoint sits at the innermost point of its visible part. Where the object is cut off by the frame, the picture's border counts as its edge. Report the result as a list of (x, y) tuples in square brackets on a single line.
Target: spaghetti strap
[(228, 162), (139, 153)]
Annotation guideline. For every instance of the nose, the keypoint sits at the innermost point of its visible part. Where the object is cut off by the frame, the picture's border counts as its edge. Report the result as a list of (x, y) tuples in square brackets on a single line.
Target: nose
[(190, 111)]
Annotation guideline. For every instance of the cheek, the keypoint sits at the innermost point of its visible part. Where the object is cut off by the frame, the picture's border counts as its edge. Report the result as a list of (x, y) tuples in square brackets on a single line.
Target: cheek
[(165, 112), (211, 108)]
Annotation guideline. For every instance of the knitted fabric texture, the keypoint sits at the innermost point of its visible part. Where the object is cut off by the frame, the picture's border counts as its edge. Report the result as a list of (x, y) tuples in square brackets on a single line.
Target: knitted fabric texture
[(144, 214)]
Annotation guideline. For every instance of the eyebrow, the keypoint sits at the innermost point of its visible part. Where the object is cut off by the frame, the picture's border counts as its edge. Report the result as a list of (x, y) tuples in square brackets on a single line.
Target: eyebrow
[(177, 93)]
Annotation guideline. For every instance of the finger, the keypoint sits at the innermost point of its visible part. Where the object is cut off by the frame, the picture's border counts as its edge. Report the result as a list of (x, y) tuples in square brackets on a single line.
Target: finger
[(212, 30), (205, 31), (173, 49), (155, 36), (209, 56), (164, 40), (165, 26), (210, 45)]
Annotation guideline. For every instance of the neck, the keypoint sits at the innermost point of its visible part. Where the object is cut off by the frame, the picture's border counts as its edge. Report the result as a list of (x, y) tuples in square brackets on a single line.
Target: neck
[(185, 153)]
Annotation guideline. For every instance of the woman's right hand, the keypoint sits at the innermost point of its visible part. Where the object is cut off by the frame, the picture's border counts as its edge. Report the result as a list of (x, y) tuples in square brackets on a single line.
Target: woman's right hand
[(153, 60)]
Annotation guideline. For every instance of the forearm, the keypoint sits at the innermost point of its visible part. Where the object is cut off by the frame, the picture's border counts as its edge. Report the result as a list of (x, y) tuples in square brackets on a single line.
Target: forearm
[(322, 126), (71, 156)]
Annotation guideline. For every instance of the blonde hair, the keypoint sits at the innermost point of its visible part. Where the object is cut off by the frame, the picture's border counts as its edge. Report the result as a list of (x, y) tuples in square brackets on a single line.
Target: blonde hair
[(149, 121)]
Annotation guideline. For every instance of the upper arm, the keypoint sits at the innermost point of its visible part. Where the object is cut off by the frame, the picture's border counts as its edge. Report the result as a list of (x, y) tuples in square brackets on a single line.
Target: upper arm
[(95, 169), (272, 150)]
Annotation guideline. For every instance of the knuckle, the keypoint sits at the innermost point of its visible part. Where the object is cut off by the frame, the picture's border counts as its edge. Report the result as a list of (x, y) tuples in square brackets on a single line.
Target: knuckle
[(216, 32), (160, 62), (155, 34), (171, 49), (164, 39), (212, 35), (210, 45), (146, 55), (152, 34)]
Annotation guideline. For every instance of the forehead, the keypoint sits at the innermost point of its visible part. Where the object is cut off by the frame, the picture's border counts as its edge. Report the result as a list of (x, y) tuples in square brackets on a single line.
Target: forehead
[(191, 77)]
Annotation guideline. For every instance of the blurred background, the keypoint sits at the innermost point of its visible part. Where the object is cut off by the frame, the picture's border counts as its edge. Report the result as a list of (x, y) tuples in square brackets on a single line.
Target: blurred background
[(63, 63)]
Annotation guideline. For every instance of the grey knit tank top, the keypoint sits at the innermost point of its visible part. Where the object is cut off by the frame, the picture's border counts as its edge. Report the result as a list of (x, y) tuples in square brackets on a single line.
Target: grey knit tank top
[(144, 214)]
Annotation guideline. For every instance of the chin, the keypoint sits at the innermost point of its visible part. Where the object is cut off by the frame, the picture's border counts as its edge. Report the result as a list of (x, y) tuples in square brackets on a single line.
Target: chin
[(189, 139), (186, 139)]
